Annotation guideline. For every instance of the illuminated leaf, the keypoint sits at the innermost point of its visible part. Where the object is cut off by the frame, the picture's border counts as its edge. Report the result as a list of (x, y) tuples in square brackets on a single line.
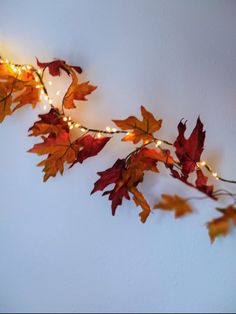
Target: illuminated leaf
[(139, 130)]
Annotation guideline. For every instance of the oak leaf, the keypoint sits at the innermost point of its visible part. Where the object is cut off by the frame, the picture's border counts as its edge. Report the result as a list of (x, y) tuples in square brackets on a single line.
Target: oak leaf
[(221, 226), (174, 203), (139, 130)]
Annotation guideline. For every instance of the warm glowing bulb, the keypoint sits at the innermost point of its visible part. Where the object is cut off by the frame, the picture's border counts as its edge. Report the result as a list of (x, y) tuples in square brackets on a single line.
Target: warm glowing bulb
[(39, 71), (203, 163), (69, 118), (158, 143), (23, 68), (36, 79), (38, 86), (1, 61), (146, 142), (108, 129), (114, 130), (99, 135), (58, 93), (71, 127), (215, 174), (28, 67), (69, 123), (82, 130), (50, 83), (42, 92), (77, 125), (65, 119), (45, 107)]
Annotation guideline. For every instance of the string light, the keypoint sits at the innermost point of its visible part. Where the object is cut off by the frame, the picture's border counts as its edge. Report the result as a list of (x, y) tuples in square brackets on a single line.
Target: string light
[(50, 83), (158, 143), (58, 92)]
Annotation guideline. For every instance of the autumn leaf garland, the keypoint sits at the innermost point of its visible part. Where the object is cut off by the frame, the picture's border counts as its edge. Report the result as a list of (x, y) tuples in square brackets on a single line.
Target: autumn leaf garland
[(22, 85)]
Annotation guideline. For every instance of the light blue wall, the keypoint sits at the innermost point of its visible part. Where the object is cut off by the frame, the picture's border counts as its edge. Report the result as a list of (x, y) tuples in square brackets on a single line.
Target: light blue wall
[(60, 249)]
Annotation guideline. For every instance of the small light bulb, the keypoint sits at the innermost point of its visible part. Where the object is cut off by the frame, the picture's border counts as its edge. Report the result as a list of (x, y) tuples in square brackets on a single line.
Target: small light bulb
[(1, 61), (77, 125), (146, 142), (158, 143), (69, 118), (82, 130), (38, 86), (108, 129), (45, 107), (23, 68), (28, 67), (50, 83), (69, 123), (99, 135), (39, 71), (36, 79), (114, 130), (203, 163), (215, 174), (58, 93), (42, 92), (71, 127), (64, 118)]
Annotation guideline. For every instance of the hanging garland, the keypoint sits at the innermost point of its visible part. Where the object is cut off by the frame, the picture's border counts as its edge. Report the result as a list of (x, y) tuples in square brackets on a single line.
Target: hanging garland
[(22, 85)]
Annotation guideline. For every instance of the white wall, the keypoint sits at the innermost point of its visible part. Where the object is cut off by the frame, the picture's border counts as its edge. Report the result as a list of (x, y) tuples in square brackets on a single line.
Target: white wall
[(61, 250)]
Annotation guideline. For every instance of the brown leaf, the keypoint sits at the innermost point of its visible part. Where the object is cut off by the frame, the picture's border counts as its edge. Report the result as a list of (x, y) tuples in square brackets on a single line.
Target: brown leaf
[(140, 200), (221, 226), (174, 203)]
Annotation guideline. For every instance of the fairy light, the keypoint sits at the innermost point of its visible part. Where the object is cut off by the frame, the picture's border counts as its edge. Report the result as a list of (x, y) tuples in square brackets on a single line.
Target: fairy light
[(77, 125), (69, 123), (158, 143), (50, 83), (108, 129), (58, 92), (99, 135), (65, 119), (45, 107), (114, 130), (38, 86), (71, 126), (83, 130)]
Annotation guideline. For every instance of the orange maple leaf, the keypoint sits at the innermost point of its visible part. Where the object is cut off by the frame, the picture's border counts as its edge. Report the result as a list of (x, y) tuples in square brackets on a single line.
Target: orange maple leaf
[(141, 130), (175, 203), (221, 226), (76, 91)]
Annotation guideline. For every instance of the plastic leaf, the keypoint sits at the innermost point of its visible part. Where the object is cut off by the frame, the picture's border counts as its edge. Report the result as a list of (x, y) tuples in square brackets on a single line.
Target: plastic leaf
[(174, 203), (140, 130)]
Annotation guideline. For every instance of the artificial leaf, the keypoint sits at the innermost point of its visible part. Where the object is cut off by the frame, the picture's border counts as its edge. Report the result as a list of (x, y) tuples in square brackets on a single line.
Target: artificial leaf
[(221, 226), (51, 122), (16, 90), (189, 150), (55, 67), (90, 146), (174, 203), (76, 91), (140, 130), (59, 149), (140, 200), (110, 176), (201, 184)]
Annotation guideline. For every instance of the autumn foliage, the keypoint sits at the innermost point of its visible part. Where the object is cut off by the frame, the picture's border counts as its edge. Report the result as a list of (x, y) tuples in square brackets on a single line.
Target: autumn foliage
[(60, 148)]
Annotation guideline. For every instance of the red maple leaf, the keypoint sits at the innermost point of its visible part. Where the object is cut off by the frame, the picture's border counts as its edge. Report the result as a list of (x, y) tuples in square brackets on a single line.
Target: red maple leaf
[(55, 66), (110, 176), (90, 146), (189, 150)]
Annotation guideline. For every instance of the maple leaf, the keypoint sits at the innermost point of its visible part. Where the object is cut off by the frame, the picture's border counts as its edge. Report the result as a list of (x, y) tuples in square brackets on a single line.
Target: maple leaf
[(189, 150), (59, 149), (140, 200), (16, 90), (110, 176), (201, 184), (175, 203), (141, 130), (90, 146), (55, 66), (76, 91), (221, 226), (51, 122)]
